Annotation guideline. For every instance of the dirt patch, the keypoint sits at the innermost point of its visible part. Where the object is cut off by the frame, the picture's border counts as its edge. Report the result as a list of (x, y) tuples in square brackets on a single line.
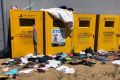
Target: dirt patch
[(97, 72)]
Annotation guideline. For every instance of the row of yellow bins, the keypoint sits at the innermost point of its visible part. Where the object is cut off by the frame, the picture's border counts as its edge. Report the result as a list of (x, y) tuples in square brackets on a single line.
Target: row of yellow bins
[(53, 36), (97, 31)]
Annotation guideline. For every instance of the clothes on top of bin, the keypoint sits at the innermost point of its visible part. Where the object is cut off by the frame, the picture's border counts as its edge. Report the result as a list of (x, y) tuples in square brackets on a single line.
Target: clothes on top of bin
[(63, 14)]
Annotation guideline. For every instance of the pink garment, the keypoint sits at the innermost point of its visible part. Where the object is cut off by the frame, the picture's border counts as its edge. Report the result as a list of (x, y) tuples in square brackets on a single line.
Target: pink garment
[(71, 55)]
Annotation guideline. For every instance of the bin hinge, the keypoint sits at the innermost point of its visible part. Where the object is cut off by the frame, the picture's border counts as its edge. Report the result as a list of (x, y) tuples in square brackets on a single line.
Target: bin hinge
[(12, 37), (117, 35), (93, 36)]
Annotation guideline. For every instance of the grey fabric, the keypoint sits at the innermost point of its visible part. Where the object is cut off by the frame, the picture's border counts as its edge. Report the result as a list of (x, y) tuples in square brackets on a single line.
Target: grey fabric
[(70, 25), (35, 40)]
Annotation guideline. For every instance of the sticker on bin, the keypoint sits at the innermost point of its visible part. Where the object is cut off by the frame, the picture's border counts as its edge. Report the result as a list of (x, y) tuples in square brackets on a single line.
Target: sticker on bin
[(58, 37)]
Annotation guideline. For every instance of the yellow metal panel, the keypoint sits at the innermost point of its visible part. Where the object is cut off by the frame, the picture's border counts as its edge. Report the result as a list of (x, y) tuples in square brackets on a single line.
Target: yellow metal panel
[(64, 41), (21, 23), (84, 31), (118, 46), (108, 32)]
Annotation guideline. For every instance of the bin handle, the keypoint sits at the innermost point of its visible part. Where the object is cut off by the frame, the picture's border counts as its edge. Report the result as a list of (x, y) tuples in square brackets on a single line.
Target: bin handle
[(12, 37), (93, 36), (117, 35)]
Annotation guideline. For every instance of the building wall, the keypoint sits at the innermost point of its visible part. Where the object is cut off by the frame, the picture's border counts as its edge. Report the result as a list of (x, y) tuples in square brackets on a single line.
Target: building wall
[(1, 29), (82, 6), (6, 7)]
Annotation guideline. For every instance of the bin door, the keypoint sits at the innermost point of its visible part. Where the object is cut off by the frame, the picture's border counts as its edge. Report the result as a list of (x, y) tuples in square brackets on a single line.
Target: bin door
[(57, 36), (21, 23), (84, 31), (108, 32)]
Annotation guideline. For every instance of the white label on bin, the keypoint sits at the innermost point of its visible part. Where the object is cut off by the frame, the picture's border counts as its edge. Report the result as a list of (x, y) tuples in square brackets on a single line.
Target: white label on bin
[(58, 37)]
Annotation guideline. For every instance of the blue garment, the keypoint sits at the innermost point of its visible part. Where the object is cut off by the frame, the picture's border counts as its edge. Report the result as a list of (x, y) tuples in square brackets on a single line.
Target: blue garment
[(100, 59), (82, 56), (61, 56), (12, 72)]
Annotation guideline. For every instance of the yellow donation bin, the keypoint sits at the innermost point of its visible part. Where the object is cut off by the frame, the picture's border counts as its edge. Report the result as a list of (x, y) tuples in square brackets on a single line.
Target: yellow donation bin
[(108, 32), (21, 24), (84, 31), (57, 36)]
